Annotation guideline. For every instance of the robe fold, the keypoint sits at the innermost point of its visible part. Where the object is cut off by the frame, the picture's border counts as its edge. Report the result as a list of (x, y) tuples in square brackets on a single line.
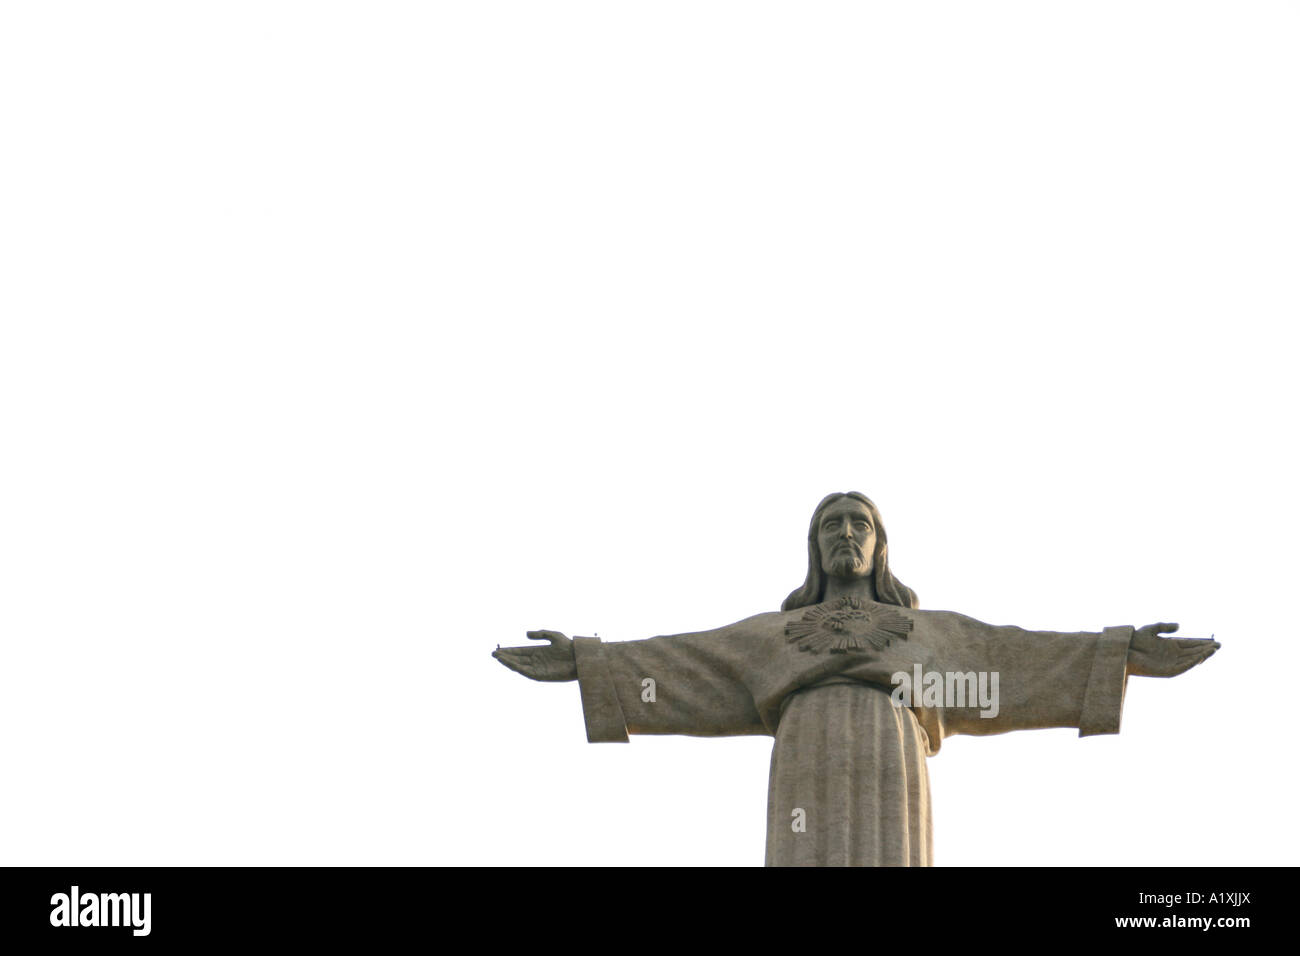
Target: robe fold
[(848, 783)]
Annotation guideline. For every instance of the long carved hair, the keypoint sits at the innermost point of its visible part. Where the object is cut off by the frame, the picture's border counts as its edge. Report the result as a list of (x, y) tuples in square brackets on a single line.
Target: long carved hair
[(889, 590)]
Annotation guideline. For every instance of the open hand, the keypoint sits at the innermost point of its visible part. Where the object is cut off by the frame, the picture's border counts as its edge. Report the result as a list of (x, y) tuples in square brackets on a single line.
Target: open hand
[(1150, 655), (552, 662)]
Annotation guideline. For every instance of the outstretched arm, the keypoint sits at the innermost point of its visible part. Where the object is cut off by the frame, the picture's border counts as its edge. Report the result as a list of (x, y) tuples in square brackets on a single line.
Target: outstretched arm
[(1053, 679), (678, 684)]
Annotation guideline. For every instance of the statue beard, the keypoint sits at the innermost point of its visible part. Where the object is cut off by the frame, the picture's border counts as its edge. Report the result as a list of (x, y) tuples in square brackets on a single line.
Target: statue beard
[(849, 562)]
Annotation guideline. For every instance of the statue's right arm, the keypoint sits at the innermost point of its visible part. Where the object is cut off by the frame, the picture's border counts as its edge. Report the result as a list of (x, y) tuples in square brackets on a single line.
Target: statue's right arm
[(690, 684)]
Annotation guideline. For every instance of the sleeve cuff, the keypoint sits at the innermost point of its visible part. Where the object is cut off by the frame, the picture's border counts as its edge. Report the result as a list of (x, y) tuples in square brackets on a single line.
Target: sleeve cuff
[(600, 707), (1103, 699)]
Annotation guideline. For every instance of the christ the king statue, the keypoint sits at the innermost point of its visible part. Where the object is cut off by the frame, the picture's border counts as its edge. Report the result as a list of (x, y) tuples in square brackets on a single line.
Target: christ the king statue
[(831, 677)]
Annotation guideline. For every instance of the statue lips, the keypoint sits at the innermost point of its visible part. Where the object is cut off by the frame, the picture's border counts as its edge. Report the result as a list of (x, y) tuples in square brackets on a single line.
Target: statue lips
[(846, 557)]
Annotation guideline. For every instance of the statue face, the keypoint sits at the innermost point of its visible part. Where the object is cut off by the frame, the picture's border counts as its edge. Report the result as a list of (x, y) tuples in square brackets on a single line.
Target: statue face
[(847, 539)]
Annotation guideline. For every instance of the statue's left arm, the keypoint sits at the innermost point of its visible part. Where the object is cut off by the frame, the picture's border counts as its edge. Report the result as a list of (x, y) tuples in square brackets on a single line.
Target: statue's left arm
[(1055, 679)]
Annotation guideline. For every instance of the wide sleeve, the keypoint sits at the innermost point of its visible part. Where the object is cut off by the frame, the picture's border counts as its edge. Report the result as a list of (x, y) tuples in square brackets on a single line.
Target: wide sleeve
[(689, 684), (1033, 679)]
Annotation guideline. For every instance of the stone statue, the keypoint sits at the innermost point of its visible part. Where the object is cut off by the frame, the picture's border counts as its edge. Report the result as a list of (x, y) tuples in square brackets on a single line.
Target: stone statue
[(858, 686)]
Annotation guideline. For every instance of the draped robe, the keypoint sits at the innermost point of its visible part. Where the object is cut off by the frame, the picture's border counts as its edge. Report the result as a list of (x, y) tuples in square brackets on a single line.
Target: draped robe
[(848, 783)]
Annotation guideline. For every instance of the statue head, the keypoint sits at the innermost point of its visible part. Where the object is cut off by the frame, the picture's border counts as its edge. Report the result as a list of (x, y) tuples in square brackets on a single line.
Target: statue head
[(847, 539)]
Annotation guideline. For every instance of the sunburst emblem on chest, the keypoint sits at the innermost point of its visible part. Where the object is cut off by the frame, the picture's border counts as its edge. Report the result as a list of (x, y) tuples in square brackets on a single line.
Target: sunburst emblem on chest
[(848, 625)]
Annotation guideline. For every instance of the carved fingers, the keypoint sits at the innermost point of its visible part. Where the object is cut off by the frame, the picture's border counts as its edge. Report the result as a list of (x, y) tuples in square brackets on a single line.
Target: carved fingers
[(1187, 653), (1154, 630), (554, 662), (1151, 655)]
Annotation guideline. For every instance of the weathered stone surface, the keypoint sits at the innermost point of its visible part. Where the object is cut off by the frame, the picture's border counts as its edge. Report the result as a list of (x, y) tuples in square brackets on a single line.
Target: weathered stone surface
[(858, 686)]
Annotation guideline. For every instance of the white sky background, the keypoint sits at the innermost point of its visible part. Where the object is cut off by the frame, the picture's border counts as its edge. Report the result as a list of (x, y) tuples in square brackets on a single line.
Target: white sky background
[(340, 343)]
